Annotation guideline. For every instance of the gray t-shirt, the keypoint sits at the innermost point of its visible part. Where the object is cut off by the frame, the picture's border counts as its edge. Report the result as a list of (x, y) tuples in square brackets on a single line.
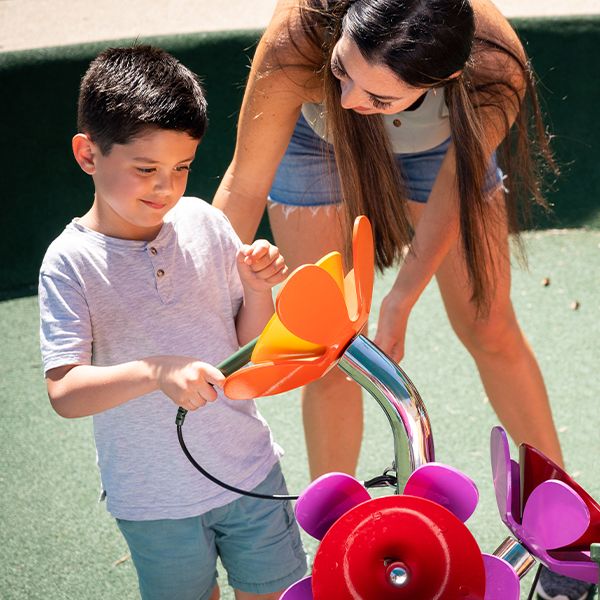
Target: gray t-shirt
[(105, 301)]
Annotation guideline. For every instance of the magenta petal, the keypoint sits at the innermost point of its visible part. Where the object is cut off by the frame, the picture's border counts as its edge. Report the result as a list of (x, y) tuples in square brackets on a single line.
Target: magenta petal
[(326, 499), (301, 590), (572, 564), (501, 581), (445, 485), (554, 516), (506, 478)]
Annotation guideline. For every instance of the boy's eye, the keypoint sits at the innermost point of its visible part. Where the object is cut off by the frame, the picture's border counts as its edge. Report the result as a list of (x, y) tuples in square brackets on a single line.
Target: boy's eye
[(186, 168), (380, 104), (145, 170)]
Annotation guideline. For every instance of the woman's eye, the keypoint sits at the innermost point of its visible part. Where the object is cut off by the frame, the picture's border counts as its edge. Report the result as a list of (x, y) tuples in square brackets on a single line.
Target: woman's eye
[(380, 104), (337, 70)]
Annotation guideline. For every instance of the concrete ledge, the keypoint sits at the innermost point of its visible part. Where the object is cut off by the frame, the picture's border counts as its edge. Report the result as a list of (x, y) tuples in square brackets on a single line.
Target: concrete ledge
[(43, 188)]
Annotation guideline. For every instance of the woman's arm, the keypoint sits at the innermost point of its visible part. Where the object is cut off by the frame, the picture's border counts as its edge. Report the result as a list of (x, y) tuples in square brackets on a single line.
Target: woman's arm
[(84, 390), (435, 233), (271, 106), (438, 227)]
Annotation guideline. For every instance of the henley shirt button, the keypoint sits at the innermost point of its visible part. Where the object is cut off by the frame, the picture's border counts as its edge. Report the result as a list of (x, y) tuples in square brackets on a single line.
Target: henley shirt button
[(397, 122), (153, 250), (160, 273)]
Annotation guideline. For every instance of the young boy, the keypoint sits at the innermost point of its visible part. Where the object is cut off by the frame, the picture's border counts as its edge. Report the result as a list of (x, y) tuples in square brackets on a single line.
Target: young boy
[(138, 298)]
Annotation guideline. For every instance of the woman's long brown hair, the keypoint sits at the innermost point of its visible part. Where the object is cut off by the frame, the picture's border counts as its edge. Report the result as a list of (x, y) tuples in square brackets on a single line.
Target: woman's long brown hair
[(369, 179)]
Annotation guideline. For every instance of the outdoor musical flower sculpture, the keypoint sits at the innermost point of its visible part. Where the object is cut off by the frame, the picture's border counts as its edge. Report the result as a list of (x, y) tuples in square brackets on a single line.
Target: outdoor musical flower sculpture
[(410, 546), (415, 544), (545, 509), (318, 312)]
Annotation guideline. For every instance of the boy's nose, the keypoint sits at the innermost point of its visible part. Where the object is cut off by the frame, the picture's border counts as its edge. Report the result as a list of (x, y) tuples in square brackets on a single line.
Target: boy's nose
[(163, 184)]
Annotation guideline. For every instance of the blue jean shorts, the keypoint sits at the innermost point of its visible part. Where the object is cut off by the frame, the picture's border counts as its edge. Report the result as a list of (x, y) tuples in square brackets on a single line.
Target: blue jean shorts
[(257, 540), (307, 175)]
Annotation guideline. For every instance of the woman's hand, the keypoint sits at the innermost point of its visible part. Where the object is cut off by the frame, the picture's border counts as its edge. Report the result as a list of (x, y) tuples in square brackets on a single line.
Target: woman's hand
[(261, 266), (187, 381), (391, 327)]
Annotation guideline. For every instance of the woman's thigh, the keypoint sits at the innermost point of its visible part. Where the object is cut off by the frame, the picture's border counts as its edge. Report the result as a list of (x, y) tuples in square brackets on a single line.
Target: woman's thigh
[(304, 235), (485, 330)]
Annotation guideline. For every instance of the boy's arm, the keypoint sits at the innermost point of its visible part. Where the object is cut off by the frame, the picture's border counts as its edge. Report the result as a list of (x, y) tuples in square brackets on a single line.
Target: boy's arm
[(255, 312), (260, 267), (83, 390)]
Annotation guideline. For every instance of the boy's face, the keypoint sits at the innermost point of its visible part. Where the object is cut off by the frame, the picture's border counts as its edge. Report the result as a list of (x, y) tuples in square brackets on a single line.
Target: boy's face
[(139, 182)]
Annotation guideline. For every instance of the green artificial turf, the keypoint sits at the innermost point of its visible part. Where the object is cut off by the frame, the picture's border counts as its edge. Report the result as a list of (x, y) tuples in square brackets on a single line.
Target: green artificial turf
[(57, 542)]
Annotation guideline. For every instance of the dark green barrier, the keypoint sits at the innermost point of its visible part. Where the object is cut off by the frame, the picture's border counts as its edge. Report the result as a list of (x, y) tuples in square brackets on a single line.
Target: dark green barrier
[(43, 188), (564, 53)]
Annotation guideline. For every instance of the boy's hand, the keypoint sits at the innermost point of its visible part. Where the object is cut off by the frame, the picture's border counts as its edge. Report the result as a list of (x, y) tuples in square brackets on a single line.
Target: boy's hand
[(261, 266), (187, 381)]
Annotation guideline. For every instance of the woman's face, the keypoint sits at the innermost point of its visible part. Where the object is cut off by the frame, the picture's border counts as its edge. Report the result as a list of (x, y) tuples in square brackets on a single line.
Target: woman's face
[(369, 88)]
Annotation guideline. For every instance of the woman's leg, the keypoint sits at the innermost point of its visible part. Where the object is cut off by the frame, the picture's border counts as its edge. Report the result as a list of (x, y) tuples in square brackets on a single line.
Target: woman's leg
[(331, 406), (507, 366)]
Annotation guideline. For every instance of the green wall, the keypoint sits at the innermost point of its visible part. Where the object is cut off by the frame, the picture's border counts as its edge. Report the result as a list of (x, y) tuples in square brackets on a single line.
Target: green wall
[(42, 187)]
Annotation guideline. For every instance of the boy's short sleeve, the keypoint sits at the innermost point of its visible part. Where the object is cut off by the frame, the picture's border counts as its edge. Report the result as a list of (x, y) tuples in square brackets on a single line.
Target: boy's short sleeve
[(65, 327), (233, 244)]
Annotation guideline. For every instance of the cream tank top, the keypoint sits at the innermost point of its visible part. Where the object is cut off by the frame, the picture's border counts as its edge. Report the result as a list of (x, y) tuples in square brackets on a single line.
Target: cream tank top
[(408, 131)]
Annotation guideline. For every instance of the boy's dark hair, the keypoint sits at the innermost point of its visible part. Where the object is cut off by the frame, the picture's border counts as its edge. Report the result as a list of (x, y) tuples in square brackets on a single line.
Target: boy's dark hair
[(127, 90)]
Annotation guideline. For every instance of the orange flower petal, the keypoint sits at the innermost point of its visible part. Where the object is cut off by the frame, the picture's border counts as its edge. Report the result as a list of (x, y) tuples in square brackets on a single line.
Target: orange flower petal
[(364, 263), (311, 306), (268, 379)]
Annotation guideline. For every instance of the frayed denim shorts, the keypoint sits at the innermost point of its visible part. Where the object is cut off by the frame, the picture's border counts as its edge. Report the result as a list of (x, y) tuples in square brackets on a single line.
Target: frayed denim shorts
[(307, 175)]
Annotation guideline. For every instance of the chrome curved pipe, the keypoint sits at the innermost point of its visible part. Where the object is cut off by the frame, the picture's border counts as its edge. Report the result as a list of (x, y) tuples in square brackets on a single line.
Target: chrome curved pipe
[(394, 391), (516, 555)]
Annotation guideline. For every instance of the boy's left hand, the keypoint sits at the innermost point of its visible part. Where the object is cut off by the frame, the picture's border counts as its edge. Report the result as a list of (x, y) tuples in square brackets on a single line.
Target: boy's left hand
[(261, 266)]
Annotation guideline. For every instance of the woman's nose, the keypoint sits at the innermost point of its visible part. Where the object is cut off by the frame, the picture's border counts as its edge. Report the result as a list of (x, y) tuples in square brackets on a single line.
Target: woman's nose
[(350, 95)]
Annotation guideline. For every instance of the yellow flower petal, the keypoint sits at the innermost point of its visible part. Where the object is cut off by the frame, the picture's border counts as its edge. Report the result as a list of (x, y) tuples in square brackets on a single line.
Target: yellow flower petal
[(277, 343), (333, 264)]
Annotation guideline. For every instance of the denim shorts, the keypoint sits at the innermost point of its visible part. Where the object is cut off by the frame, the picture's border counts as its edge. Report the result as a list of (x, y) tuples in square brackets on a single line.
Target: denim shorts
[(257, 540), (307, 175)]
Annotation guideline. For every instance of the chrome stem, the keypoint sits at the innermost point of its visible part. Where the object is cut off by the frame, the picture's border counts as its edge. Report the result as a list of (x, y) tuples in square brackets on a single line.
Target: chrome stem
[(516, 555), (394, 391)]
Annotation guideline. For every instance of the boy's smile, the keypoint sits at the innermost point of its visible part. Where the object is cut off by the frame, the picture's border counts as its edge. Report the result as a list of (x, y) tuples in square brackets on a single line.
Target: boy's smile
[(136, 183)]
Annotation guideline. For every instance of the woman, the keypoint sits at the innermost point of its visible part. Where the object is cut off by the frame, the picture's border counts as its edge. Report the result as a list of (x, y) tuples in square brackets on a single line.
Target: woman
[(400, 110)]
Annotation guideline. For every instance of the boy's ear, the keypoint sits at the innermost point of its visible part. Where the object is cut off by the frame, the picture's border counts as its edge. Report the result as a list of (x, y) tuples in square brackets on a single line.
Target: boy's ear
[(84, 151)]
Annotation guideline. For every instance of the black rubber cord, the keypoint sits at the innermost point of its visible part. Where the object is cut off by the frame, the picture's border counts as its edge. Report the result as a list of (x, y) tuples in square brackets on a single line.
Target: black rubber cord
[(231, 488), (535, 580), (379, 481)]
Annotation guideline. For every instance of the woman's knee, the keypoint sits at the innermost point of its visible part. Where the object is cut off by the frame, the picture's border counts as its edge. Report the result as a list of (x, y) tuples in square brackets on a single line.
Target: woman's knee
[(335, 382), (498, 334)]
